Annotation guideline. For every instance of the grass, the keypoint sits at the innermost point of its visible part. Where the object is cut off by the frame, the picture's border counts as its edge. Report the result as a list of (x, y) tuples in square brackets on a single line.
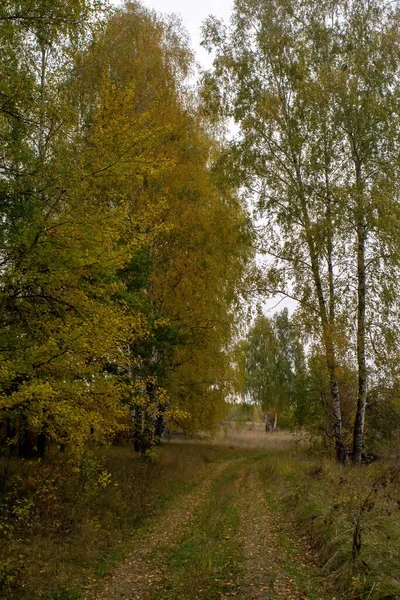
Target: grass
[(58, 526), (329, 503), (248, 436), (207, 562)]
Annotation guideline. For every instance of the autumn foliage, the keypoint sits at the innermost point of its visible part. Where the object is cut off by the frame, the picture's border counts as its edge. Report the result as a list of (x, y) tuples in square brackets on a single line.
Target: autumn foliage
[(121, 256)]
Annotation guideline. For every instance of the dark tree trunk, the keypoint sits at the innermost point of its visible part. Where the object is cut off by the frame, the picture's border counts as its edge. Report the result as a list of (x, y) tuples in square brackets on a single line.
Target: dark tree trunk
[(159, 429), (11, 434), (137, 425), (41, 444), (160, 424), (25, 448), (358, 434), (149, 422)]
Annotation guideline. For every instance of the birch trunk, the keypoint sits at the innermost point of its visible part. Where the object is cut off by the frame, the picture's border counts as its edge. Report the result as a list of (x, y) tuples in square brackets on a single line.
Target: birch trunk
[(327, 322), (275, 421), (358, 434), (268, 422)]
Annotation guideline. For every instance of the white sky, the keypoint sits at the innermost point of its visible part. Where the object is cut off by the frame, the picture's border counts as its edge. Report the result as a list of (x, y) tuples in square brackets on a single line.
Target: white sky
[(193, 14)]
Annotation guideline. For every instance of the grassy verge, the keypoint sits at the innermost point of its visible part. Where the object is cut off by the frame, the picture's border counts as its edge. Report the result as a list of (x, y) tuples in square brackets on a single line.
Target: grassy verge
[(350, 515)]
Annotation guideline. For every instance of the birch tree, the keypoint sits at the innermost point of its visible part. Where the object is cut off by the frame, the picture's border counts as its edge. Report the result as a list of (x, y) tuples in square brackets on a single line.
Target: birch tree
[(312, 86)]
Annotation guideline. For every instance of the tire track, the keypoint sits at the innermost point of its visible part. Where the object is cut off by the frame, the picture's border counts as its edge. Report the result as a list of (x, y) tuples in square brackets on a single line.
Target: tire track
[(144, 566), (266, 564)]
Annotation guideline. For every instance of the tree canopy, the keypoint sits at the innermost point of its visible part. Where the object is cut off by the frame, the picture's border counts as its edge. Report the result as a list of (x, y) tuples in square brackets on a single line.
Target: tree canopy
[(126, 246)]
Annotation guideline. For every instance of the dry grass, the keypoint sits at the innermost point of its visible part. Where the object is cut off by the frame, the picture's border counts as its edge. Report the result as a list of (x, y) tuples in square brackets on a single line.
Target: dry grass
[(350, 515), (59, 524), (246, 436)]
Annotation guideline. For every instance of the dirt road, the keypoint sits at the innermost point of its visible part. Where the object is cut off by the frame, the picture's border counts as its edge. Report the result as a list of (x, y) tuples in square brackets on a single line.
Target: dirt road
[(224, 539)]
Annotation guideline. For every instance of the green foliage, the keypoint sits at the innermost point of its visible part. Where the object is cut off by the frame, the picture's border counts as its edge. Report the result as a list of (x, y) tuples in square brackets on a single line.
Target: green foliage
[(382, 418), (312, 408), (241, 412), (262, 370), (11, 569), (317, 154), (62, 247), (274, 366)]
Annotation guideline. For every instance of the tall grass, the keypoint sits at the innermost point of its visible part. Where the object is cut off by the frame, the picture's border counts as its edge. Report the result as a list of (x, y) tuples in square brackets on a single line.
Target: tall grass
[(350, 515), (246, 436)]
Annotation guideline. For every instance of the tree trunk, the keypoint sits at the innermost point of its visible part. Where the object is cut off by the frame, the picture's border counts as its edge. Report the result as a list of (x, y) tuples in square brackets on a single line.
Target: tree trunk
[(331, 360), (144, 422), (41, 444), (137, 428), (149, 420), (11, 434), (43, 67), (25, 446), (327, 323), (329, 244), (358, 434), (337, 418), (268, 422), (160, 424), (275, 421)]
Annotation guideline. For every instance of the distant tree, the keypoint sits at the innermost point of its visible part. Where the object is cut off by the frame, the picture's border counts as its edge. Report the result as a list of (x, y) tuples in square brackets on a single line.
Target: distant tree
[(261, 375), (275, 374)]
